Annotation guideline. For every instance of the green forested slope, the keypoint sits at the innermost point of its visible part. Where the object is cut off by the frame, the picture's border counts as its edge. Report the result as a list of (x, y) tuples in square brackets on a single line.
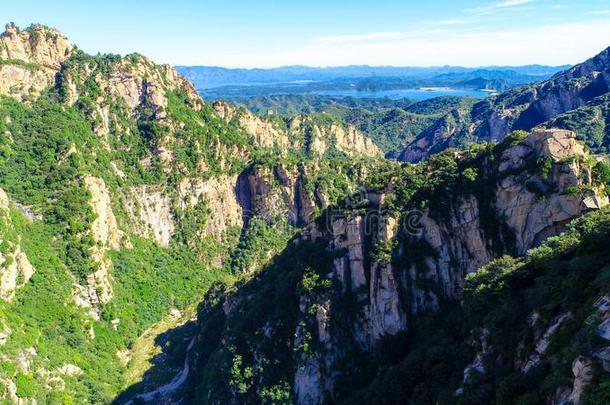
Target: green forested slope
[(127, 196)]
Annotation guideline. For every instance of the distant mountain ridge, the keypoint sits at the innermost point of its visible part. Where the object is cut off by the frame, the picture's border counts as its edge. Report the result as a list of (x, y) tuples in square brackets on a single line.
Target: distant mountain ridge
[(213, 76), (575, 99)]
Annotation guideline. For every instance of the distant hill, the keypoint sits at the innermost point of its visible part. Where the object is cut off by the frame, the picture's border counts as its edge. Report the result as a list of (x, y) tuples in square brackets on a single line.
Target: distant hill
[(291, 104), (205, 77), (215, 83)]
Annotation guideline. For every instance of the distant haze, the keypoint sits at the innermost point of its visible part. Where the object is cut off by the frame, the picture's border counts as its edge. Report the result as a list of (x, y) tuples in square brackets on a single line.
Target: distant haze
[(212, 76)]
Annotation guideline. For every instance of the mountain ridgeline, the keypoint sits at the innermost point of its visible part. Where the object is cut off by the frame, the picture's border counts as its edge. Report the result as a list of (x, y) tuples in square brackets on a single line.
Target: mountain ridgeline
[(205, 77), (575, 99), (234, 84), (157, 248), (391, 124)]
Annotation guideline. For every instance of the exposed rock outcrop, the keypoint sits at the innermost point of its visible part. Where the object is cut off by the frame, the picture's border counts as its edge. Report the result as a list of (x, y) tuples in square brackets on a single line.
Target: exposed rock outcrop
[(220, 198), (132, 87), (107, 235), (542, 342), (15, 268), (151, 213), (139, 82), (104, 228), (319, 138), (438, 136), (15, 271), (301, 132), (477, 364), (265, 133), (308, 379), (381, 268), (533, 219), (582, 369), (30, 60), (23, 83), (38, 44)]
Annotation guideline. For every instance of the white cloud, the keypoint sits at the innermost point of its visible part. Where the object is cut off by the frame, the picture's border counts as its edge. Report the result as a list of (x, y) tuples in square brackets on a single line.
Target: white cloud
[(350, 39), (451, 22), (492, 8), (551, 44), (510, 3)]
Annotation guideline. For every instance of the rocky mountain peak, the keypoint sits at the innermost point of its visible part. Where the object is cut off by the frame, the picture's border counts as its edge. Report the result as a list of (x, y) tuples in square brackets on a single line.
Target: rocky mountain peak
[(305, 132), (37, 44), (31, 59), (592, 66)]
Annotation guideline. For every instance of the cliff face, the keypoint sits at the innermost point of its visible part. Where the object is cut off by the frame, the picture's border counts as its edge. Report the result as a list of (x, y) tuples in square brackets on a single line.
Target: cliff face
[(31, 59), (523, 109), (15, 268), (438, 136), (379, 268), (310, 134), (127, 195), (38, 44), (41, 53), (454, 246), (265, 133), (526, 108)]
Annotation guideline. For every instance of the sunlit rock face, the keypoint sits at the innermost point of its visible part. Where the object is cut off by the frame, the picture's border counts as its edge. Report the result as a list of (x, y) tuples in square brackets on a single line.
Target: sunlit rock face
[(32, 59)]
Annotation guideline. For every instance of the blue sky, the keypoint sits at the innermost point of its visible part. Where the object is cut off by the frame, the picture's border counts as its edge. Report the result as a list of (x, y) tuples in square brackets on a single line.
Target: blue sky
[(266, 33)]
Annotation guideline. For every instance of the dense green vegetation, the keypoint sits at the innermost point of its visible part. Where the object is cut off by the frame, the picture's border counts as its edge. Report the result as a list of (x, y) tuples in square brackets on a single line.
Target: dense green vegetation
[(391, 124), (566, 275), (590, 122), (40, 138), (18, 62), (77, 130), (43, 317), (46, 148), (274, 298), (263, 286), (292, 104)]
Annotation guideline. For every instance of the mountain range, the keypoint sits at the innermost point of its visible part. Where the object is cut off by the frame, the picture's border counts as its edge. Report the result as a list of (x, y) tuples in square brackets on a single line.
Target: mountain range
[(206, 77), (574, 99), (156, 247), (233, 84)]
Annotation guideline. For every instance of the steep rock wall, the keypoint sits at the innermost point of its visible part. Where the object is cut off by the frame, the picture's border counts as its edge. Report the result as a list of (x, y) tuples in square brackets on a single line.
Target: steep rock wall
[(301, 133), (448, 248), (15, 268), (367, 272), (32, 58), (522, 108)]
